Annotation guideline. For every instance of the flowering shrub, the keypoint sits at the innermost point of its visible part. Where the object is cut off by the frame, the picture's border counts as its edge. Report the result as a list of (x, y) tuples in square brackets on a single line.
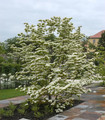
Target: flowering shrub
[(6, 81), (56, 66)]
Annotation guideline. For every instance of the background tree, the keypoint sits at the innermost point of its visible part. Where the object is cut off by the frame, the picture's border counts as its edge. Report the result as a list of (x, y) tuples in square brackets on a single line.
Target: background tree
[(2, 52), (92, 46), (101, 48), (8, 64), (101, 42), (84, 43), (56, 66), (100, 61), (10, 42)]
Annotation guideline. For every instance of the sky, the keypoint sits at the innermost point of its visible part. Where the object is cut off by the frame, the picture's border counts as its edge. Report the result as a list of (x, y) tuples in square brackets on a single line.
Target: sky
[(90, 14)]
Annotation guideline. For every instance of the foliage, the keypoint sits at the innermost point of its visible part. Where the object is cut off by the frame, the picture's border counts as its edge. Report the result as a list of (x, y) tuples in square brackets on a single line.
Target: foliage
[(90, 55), (10, 42), (100, 61), (9, 68), (1, 59), (2, 51), (92, 46), (84, 44), (2, 48), (101, 49), (57, 68), (8, 112), (23, 107), (101, 42), (42, 109), (37, 111), (8, 64)]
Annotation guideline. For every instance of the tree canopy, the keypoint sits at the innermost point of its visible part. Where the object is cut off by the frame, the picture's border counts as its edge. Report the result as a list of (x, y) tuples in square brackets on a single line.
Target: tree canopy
[(100, 61), (54, 62), (101, 42)]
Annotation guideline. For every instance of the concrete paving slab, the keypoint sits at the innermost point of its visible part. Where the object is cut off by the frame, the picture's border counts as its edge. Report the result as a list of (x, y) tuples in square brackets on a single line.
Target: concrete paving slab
[(93, 107), (23, 119), (58, 117), (79, 119), (82, 106), (16, 100)]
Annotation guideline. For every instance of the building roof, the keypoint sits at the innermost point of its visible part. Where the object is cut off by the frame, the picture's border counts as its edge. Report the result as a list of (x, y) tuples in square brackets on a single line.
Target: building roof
[(97, 35)]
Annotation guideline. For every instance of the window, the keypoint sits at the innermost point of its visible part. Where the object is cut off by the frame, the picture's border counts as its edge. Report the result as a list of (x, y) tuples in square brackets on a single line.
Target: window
[(94, 41)]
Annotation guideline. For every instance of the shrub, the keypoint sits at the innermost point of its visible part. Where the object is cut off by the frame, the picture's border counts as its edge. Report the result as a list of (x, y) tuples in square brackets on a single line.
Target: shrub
[(56, 66), (8, 112)]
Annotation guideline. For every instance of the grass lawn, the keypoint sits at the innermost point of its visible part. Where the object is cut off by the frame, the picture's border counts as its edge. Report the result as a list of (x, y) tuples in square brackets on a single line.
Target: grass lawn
[(10, 93)]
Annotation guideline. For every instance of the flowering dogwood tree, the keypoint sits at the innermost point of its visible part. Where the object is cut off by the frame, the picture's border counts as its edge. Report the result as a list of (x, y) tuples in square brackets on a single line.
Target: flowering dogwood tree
[(56, 66)]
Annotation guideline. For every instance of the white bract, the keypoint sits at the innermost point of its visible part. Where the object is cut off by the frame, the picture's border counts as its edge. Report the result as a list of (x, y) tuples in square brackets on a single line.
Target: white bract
[(55, 65)]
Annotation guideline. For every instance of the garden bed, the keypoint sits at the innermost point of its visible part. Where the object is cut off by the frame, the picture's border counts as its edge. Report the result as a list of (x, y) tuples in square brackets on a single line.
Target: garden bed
[(29, 114)]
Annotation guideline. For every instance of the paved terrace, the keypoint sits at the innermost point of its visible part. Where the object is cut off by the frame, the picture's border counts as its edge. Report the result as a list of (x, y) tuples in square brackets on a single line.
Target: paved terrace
[(93, 107)]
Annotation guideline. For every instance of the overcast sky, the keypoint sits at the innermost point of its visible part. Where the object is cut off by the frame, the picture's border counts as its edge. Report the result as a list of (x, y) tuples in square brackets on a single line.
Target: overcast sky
[(90, 14)]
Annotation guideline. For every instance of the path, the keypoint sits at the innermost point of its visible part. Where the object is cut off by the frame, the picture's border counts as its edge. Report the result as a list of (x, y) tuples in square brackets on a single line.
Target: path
[(93, 107), (16, 100)]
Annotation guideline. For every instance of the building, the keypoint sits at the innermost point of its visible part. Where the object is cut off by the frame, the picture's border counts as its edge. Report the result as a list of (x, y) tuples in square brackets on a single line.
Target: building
[(95, 38)]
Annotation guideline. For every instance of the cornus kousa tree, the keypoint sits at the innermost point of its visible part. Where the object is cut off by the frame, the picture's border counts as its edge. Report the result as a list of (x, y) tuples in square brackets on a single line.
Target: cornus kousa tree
[(53, 61)]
